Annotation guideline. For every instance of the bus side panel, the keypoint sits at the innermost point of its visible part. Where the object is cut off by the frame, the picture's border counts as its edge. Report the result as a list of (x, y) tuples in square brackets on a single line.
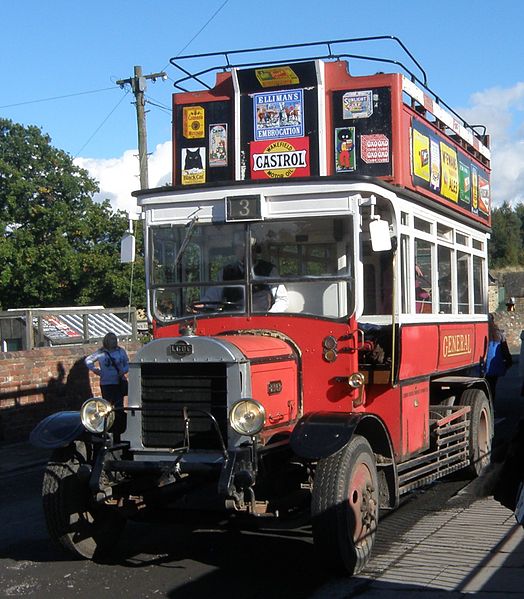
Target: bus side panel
[(419, 350), (415, 418), (456, 345), (384, 402), (428, 349)]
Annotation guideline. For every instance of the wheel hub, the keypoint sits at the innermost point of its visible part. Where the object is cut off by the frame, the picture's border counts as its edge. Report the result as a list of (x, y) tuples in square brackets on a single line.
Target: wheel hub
[(362, 502)]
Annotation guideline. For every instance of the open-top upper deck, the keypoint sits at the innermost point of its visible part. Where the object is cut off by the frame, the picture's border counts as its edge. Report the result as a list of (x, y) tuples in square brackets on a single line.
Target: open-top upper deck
[(310, 117)]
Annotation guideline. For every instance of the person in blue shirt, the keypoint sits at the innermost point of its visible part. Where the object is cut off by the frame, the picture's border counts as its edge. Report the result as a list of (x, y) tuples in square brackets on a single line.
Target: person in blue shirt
[(113, 365), (498, 358)]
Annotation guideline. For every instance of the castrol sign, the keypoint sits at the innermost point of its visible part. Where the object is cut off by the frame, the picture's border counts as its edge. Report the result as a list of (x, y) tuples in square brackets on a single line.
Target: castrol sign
[(280, 159)]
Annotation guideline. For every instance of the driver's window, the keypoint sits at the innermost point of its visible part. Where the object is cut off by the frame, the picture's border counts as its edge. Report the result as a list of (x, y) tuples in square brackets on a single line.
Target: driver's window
[(191, 263), (164, 252), (299, 252)]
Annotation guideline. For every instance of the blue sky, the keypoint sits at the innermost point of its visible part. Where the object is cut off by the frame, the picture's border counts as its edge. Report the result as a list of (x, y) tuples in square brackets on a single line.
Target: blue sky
[(60, 61)]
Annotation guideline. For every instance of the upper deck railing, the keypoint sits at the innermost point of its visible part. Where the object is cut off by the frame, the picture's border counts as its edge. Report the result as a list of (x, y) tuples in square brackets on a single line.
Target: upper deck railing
[(231, 59)]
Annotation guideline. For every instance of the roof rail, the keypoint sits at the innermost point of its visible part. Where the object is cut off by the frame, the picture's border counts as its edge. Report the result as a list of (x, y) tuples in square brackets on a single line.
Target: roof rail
[(330, 54)]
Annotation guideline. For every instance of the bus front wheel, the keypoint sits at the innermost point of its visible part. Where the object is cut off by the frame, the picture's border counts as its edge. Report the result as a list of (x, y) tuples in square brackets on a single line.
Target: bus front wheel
[(345, 506), (85, 530)]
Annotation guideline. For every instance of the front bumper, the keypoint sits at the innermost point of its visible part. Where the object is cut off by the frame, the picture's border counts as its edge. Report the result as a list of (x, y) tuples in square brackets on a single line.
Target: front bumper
[(202, 478)]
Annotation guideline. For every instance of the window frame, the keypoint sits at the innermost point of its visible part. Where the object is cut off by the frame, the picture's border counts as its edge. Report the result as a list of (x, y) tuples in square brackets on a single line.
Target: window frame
[(455, 236)]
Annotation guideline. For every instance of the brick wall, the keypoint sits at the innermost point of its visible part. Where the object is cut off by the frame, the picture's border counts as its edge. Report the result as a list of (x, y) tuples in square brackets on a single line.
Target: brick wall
[(39, 382)]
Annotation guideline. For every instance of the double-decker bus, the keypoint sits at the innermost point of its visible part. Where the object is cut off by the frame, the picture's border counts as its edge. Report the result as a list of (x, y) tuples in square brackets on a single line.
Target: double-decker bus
[(317, 284)]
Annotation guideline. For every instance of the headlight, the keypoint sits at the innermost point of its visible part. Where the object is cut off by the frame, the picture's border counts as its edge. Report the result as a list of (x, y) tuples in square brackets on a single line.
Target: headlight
[(247, 417), (97, 415)]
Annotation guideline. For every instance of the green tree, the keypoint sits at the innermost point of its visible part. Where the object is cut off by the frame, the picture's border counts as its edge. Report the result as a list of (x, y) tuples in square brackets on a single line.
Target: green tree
[(519, 211), (505, 248), (58, 247)]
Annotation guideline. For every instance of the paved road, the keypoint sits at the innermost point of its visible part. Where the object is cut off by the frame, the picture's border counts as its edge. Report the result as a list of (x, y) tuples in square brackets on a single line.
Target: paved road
[(447, 541), (159, 560)]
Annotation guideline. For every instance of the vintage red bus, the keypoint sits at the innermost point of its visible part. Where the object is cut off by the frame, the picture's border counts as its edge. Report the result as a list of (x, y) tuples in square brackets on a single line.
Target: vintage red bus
[(317, 283)]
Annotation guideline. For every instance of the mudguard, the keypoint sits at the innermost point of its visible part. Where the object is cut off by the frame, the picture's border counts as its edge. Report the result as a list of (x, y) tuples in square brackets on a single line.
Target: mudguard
[(57, 430), (318, 435)]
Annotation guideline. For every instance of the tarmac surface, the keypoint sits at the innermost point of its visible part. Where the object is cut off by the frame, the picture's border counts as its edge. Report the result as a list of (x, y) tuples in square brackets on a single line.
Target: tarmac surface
[(471, 547)]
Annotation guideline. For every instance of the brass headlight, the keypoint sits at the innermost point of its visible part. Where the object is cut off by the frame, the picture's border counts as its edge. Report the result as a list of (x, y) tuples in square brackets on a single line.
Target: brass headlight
[(247, 417), (97, 415)]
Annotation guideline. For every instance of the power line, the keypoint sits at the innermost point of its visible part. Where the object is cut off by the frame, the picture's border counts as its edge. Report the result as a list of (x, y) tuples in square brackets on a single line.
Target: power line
[(199, 31), (102, 123), (205, 25), (93, 91), (157, 104)]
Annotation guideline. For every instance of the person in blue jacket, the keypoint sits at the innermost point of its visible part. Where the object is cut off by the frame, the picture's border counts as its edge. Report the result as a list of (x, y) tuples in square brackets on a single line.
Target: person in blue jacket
[(113, 365), (498, 358)]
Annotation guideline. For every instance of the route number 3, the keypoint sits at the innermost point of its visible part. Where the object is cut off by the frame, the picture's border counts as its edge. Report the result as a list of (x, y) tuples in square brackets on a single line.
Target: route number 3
[(243, 208)]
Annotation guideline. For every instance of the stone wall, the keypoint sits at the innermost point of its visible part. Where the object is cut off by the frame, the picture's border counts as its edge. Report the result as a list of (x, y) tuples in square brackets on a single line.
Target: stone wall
[(512, 323), (493, 298), (39, 382)]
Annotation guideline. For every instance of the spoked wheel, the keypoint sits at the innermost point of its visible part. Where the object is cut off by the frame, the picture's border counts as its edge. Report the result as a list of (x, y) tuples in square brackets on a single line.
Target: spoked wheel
[(73, 521), (345, 506), (480, 429)]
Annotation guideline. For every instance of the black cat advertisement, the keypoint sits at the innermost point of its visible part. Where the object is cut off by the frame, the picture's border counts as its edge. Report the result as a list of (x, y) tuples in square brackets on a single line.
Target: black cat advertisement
[(193, 166)]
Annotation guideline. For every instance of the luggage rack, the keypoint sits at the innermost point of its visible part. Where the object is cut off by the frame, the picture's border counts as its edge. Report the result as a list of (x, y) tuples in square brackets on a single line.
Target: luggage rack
[(329, 55)]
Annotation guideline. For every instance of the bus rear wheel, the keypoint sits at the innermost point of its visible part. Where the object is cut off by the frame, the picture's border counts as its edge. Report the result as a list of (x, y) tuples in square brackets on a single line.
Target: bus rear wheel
[(345, 506), (480, 429)]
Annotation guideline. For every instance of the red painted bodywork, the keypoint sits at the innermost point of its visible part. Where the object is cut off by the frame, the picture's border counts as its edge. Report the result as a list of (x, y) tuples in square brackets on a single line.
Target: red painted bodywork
[(439, 348), (404, 409), (310, 383), (338, 78), (415, 418), (256, 348), (321, 389), (274, 377)]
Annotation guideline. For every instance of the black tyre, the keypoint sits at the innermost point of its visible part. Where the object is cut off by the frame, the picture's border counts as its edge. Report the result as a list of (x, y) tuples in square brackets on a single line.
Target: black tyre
[(480, 429), (73, 521), (345, 506)]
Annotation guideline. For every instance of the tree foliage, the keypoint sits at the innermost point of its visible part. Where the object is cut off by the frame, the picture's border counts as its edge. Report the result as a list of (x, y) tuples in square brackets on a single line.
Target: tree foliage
[(58, 247), (506, 246)]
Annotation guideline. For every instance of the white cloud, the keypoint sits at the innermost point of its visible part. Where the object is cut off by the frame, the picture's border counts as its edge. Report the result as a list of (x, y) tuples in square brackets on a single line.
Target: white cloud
[(501, 110), (119, 177)]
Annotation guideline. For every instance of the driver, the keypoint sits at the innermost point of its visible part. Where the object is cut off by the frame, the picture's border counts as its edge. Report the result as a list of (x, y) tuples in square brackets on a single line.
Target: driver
[(266, 297)]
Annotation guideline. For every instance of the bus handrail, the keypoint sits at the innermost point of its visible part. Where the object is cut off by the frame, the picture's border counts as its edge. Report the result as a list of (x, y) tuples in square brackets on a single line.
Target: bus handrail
[(330, 55)]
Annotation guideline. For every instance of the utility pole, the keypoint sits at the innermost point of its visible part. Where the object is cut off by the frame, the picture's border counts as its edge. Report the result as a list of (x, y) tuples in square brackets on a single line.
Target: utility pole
[(138, 86)]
